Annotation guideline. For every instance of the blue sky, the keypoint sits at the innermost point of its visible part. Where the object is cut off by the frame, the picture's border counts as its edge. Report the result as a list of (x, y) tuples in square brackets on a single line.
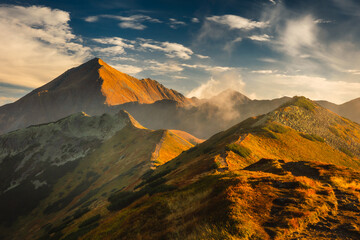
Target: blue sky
[(262, 48)]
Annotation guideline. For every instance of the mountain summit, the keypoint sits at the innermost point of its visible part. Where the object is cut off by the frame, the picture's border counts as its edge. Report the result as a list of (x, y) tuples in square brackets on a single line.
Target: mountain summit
[(91, 87)]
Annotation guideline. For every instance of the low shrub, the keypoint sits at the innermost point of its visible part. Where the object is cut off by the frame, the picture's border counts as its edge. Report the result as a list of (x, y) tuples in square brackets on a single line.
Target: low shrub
[(90, 220), (81, 232), (238, 149), (121, 200), (335, 131), (302, 102), (347, 152), (312, 137), (277, 128)]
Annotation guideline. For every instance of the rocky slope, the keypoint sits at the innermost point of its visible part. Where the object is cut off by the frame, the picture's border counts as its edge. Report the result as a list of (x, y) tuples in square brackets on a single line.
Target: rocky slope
[(91, 88), (69, 167)]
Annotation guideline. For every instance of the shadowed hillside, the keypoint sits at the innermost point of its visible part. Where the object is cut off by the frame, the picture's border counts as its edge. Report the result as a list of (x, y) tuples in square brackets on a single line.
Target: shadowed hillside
[(69, 167)]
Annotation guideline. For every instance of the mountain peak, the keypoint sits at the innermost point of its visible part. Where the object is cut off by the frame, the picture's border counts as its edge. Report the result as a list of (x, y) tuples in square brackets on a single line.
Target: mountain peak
[(302, 102), (91, 87), (316, 122), (230, 95)]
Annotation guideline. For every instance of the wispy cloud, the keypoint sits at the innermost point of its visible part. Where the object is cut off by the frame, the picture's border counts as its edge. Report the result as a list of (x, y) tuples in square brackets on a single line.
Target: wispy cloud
[(237, 22), (195, 20), (229, 30), (128, 69), (174, 23), (263, 71), (163, 67), (202, 56), (113, 45), (273, 1), (133, 22), (220, 80), (172, 50), (260, 38)]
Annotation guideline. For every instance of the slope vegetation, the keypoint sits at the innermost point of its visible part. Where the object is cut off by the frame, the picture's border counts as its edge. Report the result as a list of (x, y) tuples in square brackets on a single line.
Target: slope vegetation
[(283, 175)]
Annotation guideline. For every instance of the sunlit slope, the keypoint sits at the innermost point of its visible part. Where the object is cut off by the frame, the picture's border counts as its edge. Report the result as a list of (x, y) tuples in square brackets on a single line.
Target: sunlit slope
[(119, 88), (55, 170), (272, 199)]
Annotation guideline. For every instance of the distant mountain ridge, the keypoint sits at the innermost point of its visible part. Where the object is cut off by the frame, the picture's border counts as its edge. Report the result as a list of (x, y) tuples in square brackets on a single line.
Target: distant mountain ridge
[(349, 109), (96, 88)]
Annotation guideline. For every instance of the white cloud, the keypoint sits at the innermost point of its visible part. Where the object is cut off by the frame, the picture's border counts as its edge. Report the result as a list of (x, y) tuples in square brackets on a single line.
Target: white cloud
[(263, 71), (273, 1), (92, 19), (209, 68), (179, 77), (202, 56), (299, 35), (312, 48), (322, 21), (174, 23), (220, 81), (163, 68), (237, 22), (36, 45), (195, 20), (114, 45), (132, 22), (128, 69), (260, 38), (172, 50)]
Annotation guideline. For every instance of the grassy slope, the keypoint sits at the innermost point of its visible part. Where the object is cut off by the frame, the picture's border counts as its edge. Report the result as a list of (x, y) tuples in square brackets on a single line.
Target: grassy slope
[(266, 201)]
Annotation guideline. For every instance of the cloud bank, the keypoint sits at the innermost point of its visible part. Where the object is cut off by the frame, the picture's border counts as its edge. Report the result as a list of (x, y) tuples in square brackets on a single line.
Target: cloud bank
[(36, 44)]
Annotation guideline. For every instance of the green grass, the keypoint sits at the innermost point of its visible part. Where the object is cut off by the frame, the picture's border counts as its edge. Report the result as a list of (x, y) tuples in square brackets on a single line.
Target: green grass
[(238, 149), (90, 220), (302, 102), (334, 131), (277, 128), (346, 151), (312, 137)]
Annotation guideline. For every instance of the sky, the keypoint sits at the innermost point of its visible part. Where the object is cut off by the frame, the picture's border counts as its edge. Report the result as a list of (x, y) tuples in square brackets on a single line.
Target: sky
[(262, 48)]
